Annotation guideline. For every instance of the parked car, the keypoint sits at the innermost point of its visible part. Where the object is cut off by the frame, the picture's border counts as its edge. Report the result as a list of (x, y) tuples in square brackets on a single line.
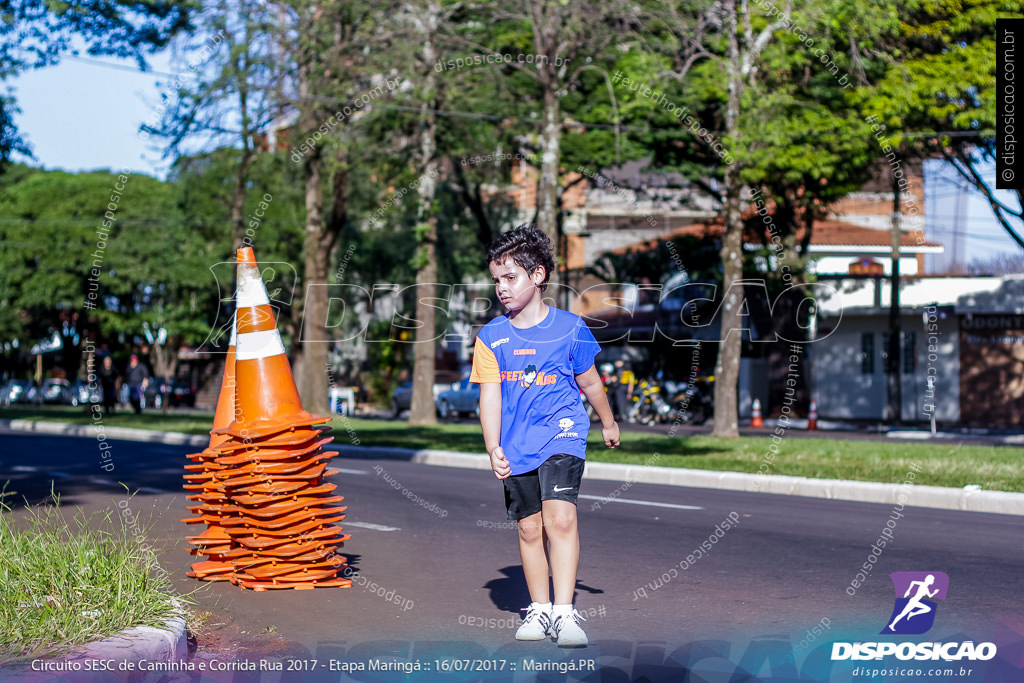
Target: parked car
[(18, 391), (56, 391), (173, 392), (463, 398), (153, 396), (401, 399), (182, 394), (83, 393)]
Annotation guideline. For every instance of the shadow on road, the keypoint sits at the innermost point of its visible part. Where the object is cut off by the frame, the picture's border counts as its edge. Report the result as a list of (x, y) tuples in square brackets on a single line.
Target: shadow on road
[(509, 594)]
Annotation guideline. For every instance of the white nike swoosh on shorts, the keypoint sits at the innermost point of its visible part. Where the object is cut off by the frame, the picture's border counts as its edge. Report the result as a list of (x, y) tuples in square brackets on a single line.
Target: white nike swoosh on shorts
[(567, 488)]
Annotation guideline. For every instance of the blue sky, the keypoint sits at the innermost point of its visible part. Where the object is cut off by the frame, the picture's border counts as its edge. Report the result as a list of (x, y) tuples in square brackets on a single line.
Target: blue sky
[(961, 219), (82, 115)]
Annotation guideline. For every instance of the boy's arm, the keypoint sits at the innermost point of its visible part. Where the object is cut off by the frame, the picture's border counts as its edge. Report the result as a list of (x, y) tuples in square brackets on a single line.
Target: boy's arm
[(590, 384), (490, 422)]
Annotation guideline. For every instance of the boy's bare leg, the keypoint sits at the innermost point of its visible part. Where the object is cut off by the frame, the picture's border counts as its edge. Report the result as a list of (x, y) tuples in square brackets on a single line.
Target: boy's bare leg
[(560, 524), (535, 561)]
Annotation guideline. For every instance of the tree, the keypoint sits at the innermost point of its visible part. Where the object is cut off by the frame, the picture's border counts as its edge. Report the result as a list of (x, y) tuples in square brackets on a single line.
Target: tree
[(726, 35), (426, 18), (204, 187), (227, 99), (559, 38), (937, 94), (335, 49), (140, 268), (758, 110)]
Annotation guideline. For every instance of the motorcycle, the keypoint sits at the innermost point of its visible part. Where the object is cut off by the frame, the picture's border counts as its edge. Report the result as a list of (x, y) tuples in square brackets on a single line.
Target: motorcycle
[(696, 403), (649, 406)]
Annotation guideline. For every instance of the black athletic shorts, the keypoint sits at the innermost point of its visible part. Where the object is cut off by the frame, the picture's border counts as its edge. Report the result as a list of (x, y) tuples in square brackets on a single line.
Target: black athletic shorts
[(558, 478)]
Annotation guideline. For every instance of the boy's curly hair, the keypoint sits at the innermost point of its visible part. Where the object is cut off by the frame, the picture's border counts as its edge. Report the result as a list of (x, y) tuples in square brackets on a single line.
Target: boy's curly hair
[(527, 246)]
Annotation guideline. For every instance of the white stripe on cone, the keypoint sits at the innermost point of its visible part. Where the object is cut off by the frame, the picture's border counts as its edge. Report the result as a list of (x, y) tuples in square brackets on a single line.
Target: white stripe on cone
[(256, 345), (251, 291)]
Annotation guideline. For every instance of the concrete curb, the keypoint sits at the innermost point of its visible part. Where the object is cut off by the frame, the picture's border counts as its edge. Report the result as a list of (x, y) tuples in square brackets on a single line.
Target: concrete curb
[(127, 433), (966, 500), (124, 651)]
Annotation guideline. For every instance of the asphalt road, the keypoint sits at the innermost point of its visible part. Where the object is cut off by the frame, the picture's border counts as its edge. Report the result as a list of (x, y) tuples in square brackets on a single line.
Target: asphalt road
[(446, 581)]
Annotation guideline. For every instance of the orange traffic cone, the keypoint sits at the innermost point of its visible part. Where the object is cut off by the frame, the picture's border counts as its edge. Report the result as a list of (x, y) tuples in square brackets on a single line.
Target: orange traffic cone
[(271, 514), (225, 413), (215, 542), (756, 421), (268, 402), (812, 416)]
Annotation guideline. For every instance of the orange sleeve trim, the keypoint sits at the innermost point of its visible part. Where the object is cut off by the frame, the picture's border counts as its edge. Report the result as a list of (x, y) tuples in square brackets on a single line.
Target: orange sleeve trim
[(485, 365)]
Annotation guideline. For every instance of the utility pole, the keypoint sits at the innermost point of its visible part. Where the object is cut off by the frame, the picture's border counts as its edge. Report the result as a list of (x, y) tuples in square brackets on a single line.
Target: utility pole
[(894, 384)]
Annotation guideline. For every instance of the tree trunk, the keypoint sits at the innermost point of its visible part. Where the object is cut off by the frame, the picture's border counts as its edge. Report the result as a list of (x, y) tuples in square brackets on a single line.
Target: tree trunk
[(238, 200), (894, 365), (165, 360), (310, 358), (727, 368), (785, 310), (547, 185), (241, 65), (421, 411)]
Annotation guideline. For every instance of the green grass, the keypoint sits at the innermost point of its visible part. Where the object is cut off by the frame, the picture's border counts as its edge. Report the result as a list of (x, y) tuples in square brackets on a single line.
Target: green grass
[(67, 583), (942, 462)]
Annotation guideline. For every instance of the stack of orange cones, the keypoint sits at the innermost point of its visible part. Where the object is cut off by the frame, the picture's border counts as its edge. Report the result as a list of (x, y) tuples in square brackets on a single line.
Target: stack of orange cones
[(269, 514), (215, 542)]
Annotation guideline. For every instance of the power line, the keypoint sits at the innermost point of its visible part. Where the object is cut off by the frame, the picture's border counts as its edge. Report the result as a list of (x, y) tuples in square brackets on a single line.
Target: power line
[(119, 67)]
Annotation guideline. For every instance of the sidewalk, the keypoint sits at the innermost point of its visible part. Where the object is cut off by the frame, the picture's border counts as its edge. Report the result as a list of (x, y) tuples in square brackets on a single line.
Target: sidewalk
[(1004, 437), (966, 499)]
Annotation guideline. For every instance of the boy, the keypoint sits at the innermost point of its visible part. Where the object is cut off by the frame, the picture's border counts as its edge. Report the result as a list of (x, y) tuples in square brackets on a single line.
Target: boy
[(531, 365)]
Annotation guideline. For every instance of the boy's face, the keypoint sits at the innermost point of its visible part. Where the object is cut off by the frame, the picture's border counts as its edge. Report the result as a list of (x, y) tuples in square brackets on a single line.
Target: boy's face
[(513, 285)]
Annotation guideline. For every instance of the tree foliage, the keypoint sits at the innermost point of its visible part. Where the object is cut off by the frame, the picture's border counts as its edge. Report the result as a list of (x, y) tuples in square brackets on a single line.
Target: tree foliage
[(34, 34), (936, 96)]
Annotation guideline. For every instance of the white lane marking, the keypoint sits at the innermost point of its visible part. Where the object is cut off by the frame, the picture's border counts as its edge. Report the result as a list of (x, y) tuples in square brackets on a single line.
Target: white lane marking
[(102, 482), (641, 502), (367, 525), (52, 473), (146, 489), (347, 471)]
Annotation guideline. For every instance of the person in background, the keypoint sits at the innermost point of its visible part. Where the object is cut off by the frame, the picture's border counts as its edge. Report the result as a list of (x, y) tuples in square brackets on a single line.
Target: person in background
[(624, 388), (110, 379), (138, 380), (611, 384)]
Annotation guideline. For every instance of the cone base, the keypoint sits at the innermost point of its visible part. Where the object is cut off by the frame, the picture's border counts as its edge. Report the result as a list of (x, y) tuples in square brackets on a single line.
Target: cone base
[(298, 586), (260, 428)]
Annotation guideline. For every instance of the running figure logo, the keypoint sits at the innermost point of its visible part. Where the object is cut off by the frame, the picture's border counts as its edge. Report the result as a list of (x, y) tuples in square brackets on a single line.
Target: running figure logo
[(914, 612), (529, 376)]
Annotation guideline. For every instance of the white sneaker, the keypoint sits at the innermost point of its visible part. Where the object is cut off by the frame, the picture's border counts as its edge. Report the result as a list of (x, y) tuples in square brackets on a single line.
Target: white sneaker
[(536, 623), (567, 630)]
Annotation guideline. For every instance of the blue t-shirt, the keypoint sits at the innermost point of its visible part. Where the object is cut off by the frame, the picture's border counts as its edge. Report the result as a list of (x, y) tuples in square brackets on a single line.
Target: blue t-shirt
[(542, 413)]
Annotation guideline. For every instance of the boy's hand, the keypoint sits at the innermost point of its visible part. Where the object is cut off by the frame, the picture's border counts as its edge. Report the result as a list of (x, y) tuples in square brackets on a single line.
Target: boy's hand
[(611, 435), (499, 463)]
